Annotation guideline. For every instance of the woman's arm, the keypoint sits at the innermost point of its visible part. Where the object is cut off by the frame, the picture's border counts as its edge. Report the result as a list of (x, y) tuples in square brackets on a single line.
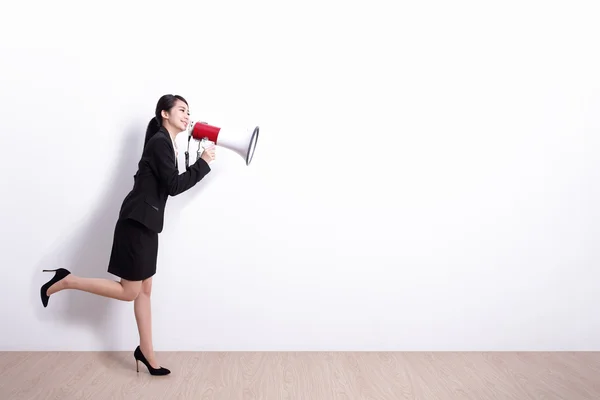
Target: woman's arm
[(163, 164)]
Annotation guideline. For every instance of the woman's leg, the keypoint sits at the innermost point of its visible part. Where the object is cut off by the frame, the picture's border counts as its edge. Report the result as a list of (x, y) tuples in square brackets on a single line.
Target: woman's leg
[(124, 290), (143, 317)]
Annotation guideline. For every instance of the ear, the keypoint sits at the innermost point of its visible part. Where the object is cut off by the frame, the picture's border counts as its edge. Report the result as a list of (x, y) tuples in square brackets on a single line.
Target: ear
[(164, 114)]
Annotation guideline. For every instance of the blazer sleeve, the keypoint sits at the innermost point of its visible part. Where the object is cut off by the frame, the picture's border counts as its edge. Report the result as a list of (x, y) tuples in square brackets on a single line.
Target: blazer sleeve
[(163, 164)]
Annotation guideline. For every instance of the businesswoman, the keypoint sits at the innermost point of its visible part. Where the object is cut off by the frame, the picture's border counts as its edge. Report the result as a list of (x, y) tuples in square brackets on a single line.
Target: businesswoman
[(135, 242)]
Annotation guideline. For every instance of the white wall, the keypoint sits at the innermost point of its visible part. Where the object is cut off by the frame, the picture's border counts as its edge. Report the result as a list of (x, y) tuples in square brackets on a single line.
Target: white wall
[(426, 175)]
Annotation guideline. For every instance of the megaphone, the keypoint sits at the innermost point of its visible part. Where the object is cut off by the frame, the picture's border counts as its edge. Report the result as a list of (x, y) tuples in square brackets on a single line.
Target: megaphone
[(242, 142)]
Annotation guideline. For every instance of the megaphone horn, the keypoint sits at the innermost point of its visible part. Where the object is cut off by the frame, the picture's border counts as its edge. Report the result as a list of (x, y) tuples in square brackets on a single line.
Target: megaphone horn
[(242, 142)]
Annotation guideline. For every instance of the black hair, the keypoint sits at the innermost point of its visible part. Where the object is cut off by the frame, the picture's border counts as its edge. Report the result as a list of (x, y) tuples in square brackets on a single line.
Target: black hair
[(166, 102)]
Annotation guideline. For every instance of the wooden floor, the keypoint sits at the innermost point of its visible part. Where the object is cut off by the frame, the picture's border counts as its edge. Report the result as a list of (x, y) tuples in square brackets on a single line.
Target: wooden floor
[(302, 375)]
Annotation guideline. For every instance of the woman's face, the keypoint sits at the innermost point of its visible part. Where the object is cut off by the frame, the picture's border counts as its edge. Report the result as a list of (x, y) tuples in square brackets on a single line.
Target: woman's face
[(178, 116)]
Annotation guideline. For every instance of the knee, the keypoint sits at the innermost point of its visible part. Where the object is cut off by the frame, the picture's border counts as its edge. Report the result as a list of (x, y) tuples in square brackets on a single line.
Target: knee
[(146, 289), (130, 294), (131, 290)]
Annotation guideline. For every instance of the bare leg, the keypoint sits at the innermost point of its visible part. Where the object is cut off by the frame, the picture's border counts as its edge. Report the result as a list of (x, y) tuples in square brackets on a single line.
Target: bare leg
[(124, 290), (143, 317)]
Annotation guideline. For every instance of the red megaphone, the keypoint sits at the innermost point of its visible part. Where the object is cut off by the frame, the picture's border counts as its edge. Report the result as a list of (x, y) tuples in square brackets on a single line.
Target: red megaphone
[(242, 142)]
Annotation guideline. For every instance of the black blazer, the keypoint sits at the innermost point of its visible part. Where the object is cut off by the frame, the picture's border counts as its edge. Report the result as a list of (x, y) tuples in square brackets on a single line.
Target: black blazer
[(157, 177)]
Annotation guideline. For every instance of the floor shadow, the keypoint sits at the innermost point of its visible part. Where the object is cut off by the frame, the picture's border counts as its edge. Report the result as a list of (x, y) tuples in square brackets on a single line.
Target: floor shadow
[(121, 360), (86, 252)]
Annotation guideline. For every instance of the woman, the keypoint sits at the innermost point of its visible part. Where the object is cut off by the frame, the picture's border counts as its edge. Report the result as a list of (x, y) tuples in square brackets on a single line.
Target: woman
[(135, 242)]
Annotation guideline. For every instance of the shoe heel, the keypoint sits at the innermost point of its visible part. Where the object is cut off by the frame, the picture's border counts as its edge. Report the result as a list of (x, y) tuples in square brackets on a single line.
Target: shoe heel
[(137, 365), (49, 270)]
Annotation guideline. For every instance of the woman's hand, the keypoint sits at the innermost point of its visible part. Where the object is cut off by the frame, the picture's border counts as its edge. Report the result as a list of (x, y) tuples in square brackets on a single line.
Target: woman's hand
[(208, 154)]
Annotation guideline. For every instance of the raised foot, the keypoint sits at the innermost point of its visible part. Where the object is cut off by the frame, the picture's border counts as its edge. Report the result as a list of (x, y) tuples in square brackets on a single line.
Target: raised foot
[(53, 285)]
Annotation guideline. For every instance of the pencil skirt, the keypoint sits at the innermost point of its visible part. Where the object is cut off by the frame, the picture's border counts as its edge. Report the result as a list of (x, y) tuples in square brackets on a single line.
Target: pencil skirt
[(134, 251)]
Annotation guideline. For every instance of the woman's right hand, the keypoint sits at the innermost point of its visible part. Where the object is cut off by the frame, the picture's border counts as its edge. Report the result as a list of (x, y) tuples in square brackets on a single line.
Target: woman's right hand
[(208, 154)]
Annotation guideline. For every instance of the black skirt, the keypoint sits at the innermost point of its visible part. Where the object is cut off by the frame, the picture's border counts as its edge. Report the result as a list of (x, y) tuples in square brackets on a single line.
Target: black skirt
[(134, 251)]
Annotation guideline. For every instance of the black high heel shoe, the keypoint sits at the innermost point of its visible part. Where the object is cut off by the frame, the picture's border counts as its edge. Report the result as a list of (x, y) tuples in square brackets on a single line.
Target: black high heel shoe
[(137, 354), (60, 274)]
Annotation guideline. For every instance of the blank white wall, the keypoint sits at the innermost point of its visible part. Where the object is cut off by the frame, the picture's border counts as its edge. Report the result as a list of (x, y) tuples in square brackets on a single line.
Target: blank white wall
[(426, 176)]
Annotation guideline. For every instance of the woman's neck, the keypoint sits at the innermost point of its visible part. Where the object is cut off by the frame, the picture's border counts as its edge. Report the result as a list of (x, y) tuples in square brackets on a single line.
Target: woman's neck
[(171, 132)]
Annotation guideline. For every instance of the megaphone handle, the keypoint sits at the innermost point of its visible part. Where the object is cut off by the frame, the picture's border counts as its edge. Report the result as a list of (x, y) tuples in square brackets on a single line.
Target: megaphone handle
[(200, 148), (187, 155)]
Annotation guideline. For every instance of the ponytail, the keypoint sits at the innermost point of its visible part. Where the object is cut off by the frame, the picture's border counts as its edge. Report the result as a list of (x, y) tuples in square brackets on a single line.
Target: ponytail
[(153, 127)]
